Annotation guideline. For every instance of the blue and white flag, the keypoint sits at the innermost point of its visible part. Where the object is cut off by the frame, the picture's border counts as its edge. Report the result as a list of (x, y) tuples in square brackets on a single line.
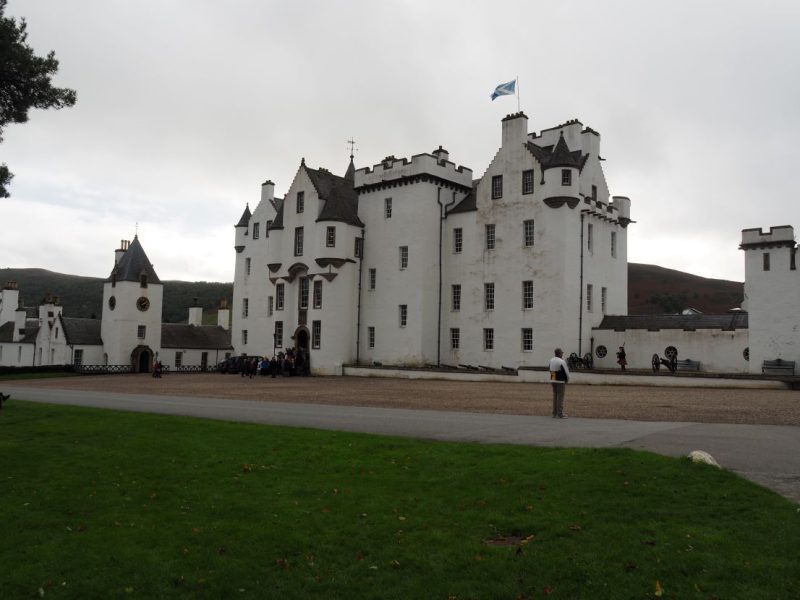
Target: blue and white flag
[(504, 89)]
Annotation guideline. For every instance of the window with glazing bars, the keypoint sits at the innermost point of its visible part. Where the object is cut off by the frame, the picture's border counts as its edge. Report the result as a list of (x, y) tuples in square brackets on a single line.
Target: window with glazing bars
[(527, 339), (279, 296), (488, 339), (316, 333), (497, 187), (317, 293), (527, 181), (488, 296), (527, 232), (455, 296), (527, 294), (403, 257), (490, 239), (458, 240), (330, 237), (455, 338)]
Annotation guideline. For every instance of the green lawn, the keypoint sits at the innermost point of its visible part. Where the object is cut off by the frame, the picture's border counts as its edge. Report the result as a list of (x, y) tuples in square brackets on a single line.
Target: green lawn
[(97, 504)]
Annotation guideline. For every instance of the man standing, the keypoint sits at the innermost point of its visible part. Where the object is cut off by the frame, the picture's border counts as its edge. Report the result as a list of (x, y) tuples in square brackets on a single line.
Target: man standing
[(559, 376)]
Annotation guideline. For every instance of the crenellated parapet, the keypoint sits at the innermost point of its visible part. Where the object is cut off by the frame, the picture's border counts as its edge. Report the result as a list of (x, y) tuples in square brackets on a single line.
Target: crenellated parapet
[(425, 167), (777, 237)]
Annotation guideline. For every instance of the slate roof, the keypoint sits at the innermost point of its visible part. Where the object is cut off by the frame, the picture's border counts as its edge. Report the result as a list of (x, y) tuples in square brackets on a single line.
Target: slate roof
[(245, 220), (727, 322), (341, 200), (277, 222), (202, 337), (81, 332), (468, 202), (133, 264), (559, 156), (7, 332)]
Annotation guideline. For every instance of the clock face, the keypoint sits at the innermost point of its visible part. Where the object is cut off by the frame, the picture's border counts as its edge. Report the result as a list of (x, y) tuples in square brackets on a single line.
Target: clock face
[(143, 304), (112, 302)]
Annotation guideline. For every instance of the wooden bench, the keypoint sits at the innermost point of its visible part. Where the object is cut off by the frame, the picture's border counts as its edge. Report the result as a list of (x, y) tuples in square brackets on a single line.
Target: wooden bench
[(688, 365), (778, 367)]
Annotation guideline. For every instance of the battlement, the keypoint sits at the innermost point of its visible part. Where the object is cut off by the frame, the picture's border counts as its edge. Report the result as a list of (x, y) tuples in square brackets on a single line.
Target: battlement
[(577, 136), (781, 235), (392, 168)]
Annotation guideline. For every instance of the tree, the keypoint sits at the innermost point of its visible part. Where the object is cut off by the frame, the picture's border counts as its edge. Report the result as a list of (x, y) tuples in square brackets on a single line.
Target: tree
[(24, 81)]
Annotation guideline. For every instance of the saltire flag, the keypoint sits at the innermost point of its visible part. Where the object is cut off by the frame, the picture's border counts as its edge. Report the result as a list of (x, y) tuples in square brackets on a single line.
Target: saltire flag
[(505, 89)]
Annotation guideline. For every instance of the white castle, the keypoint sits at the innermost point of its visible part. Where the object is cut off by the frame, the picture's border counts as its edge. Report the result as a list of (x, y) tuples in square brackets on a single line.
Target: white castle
[(130, 335), (413, 262)]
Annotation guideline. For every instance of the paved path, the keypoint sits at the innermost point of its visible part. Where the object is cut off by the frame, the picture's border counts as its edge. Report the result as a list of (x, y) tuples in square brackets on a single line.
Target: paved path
[(766, 454)]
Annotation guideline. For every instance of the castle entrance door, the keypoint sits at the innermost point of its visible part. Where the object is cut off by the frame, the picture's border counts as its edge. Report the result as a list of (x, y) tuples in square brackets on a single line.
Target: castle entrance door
[(301, 338)]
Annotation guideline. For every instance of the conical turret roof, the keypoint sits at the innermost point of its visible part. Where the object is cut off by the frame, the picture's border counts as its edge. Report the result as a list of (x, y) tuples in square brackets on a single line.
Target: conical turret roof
[(133, 264)]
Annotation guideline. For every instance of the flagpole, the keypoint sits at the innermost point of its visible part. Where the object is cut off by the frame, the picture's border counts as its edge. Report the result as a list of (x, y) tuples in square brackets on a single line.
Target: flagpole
[(518, 108)]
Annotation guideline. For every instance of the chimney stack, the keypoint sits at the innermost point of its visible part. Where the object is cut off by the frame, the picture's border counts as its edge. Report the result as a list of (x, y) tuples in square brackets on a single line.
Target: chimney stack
[(195, 314), (223, 314)]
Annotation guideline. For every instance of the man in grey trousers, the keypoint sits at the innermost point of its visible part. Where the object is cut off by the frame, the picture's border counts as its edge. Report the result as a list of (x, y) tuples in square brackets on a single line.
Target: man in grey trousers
[(559, 376)]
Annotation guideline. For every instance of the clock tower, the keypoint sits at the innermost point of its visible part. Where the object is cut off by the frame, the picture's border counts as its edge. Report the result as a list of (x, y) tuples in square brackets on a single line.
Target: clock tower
[(132, 300)]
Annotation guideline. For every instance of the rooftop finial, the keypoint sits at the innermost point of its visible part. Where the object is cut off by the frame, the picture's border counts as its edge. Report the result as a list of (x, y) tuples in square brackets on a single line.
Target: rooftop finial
[(352, 143)]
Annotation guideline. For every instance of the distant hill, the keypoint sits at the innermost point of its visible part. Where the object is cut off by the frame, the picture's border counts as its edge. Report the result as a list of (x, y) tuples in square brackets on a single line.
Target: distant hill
[(651, 290), (83, 296)]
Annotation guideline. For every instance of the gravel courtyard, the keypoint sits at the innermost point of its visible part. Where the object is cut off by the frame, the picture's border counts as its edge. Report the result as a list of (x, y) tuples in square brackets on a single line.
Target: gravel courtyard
[(701, 405)]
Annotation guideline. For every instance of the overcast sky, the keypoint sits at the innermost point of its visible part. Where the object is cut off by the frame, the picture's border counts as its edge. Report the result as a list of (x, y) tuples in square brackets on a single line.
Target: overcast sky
[(186, 106)]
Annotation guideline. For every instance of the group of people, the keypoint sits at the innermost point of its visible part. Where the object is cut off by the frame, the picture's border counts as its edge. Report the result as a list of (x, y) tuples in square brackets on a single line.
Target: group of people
[(559, 377), (292, 362), (158, 368)]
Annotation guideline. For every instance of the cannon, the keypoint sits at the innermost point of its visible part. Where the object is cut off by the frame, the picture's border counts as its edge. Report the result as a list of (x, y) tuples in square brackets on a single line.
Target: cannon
[(576, 362), (670, 360)]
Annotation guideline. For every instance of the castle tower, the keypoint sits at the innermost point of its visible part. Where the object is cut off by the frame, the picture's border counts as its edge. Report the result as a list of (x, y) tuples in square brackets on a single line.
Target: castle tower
[(132, 303), (772, 295)]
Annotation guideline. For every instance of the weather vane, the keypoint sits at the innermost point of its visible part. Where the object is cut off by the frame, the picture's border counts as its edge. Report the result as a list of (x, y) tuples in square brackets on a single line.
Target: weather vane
[(351, 142)]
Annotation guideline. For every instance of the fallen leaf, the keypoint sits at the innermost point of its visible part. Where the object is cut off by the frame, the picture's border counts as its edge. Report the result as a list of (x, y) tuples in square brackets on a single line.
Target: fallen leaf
[(478, 557), (359, 555), (283, 563), (221, 551), (547, 590), (395, 564), (575, 527), (246, 468), (649, 543), (659, 590)]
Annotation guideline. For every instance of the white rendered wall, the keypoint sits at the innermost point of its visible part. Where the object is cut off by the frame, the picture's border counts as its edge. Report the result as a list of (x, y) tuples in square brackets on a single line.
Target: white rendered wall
[(16, 354), (716, 350), (119, 327), (772, 297)]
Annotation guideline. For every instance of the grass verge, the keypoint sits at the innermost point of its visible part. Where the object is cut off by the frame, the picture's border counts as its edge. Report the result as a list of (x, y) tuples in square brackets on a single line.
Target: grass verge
[(109, 504)]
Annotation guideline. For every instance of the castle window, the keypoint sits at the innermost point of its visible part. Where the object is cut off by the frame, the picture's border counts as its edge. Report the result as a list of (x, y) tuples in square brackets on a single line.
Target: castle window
[(373, 278), (455, 297), (143, 280), (527, 232), (766, 261), (594, 192), (497, 187), (78, 358), (589, 290), (455, 338), (527, 339), (371, 336), (245, 307), (178, 359), (403, 315), (458, 240), (359, 248), (387, 208), (566, 177), (527, 181), (302, 293), (279, 295), (141, 331), (301, 202), (316, 333), (490, 237), (403, 257), (278, 334), (603, 299), (266, 229), (527, 294), (56, 332), (318, 293), (298, 241), (330, 237), (270, 305), (488, 339), (590, 238), (244, 337), (614, 244), (247, 266), (488, 296), (256, 232)]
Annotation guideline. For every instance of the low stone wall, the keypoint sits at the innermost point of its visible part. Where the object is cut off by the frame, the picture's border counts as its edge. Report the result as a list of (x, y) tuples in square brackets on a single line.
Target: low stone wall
[(537, 375)]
